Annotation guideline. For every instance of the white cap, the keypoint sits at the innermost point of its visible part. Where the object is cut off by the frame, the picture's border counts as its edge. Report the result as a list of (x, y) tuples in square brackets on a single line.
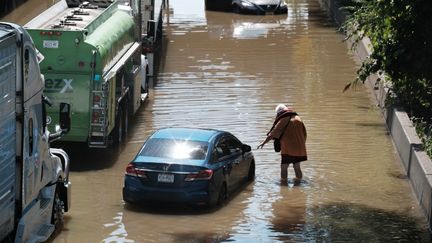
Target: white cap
[(280, 108)]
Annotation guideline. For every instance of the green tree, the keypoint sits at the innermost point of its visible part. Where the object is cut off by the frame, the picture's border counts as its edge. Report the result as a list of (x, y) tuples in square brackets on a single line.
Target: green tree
[(401, 36)]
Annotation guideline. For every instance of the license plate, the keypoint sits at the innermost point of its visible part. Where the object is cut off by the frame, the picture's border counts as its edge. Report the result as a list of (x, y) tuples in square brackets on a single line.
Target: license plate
[(167, 178), (51, 44)]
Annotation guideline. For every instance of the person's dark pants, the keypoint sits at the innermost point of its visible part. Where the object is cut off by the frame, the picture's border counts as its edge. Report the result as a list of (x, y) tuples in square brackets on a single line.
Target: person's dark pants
[(286, 160)]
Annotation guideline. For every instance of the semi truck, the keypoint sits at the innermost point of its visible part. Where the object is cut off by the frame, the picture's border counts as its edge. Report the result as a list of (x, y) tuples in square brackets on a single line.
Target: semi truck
[(34, 178), (93, 61)]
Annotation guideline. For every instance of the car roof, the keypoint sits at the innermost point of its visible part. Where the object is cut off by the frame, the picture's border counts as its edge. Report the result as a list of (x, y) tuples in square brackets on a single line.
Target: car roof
[(196, 134)]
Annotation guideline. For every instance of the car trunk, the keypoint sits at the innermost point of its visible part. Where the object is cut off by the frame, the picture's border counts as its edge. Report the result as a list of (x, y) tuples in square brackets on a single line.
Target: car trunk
[(167, 175)]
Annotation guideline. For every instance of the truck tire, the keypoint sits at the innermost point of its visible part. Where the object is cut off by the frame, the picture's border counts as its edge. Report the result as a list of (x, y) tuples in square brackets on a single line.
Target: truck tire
[(57, 210)]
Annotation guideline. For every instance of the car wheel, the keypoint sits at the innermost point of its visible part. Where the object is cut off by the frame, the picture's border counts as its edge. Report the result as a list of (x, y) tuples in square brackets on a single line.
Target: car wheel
[(57, 211), (127, 201), (223, 194), (251, 173)]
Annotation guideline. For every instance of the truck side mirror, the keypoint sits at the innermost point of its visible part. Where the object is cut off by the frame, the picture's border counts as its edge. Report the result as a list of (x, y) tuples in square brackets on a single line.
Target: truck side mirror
[(65, 117)]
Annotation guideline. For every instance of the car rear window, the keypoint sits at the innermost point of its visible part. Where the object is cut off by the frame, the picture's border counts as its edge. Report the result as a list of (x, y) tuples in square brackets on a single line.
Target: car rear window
[(175, 149)]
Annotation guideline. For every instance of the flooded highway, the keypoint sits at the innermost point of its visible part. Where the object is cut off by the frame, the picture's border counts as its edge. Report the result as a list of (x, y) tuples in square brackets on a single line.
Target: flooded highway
[(227, 71)]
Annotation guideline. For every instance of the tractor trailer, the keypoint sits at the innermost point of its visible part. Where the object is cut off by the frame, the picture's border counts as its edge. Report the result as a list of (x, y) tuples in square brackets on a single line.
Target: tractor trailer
[(34, 178), (93, 61)]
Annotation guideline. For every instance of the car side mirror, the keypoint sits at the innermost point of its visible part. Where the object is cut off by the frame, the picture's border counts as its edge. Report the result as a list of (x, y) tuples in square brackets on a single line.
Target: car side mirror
[(246, 148), (65, 117)]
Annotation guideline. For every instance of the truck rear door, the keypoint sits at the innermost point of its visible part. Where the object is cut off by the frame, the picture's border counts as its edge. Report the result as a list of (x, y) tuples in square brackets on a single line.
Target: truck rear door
[(7, 130)]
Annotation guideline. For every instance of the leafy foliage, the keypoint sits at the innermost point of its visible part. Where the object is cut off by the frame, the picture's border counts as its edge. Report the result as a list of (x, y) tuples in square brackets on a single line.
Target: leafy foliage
[(401, 36)]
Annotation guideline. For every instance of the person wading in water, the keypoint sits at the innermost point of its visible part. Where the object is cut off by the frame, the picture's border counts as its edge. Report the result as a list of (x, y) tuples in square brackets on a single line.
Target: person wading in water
[(291, 131)]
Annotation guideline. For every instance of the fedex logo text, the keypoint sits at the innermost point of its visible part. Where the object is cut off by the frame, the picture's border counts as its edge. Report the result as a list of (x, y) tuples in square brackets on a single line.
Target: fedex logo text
[(58, 85)]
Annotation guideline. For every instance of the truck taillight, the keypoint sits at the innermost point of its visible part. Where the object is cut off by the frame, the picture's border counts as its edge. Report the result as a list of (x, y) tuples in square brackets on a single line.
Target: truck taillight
[(202, 175), (95, 116), (131, 170), (51, 33), (96, 98)]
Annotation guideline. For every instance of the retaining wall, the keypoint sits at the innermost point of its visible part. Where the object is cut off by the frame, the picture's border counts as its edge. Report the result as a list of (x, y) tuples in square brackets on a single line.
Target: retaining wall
[(417, 164)]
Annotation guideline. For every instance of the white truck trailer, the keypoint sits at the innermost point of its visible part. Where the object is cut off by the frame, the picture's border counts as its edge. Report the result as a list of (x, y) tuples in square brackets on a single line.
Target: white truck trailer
[(34, 178)]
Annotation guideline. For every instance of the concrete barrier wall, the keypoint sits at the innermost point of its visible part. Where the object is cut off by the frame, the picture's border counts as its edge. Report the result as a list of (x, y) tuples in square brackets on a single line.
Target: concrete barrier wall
[(417, 164)]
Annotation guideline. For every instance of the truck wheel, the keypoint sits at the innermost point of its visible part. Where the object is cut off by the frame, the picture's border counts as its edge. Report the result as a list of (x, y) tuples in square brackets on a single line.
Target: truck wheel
[(57, 211)]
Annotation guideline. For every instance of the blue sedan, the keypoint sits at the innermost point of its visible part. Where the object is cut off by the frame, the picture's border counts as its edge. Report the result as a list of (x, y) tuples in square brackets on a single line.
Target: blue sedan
[(185, 165)]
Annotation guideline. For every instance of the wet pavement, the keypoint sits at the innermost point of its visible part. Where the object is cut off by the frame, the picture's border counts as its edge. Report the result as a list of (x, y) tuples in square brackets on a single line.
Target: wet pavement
[(226, 71)]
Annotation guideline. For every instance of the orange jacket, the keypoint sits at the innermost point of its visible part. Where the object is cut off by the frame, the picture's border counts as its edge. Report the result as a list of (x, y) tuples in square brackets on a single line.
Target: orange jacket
[(293, 140)]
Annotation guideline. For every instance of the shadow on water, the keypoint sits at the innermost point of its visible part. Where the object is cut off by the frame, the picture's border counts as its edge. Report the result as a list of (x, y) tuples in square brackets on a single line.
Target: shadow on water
[(184, 209), (371, 124), (7, 6), (169, 209), (86, 159), (320, 17), (200, 237), (186, 223), (350, 223)]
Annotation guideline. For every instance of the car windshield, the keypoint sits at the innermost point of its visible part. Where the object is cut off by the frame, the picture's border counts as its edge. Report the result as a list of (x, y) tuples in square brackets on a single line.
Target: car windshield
[(175, 149)]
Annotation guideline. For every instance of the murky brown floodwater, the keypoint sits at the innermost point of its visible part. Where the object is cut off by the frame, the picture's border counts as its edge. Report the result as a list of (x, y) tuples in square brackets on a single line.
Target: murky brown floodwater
[(228, 71)]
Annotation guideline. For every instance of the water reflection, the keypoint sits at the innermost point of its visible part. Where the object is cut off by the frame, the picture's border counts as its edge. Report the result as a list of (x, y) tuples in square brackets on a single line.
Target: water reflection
[(182, 223), (243, 26), (289, 213), (119, 233)]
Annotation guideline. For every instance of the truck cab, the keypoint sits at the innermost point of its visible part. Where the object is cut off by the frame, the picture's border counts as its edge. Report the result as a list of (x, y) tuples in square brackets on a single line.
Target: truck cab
[(34, 180)]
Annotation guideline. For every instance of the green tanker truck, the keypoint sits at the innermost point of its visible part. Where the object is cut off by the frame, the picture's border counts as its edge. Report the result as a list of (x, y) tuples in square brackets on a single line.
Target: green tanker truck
[(92, 59)]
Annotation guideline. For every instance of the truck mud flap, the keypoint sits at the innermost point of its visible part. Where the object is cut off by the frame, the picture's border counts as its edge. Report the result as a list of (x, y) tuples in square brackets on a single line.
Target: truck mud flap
[(64, 185), (65, 194)]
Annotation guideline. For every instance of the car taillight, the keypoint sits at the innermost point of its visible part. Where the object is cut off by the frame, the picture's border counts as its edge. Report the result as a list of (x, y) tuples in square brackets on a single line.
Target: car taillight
[(202, 175), (131, 170)]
